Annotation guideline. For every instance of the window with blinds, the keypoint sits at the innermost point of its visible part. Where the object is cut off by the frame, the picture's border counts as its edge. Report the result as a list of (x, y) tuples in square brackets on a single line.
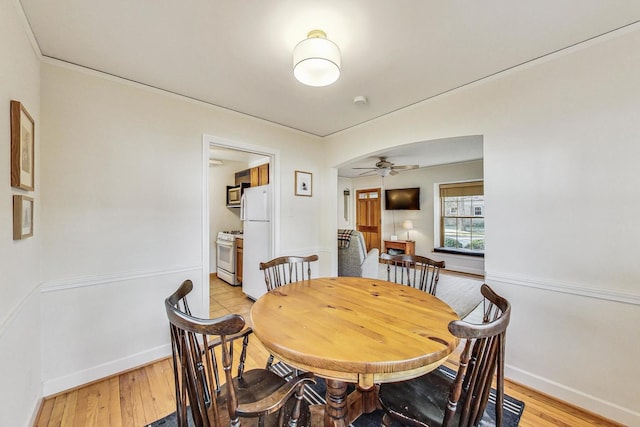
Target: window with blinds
[(462, 217)]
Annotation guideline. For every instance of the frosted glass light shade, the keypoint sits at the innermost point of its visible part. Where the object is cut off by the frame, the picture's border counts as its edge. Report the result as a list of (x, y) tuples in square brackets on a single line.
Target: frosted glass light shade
[(316, 60)]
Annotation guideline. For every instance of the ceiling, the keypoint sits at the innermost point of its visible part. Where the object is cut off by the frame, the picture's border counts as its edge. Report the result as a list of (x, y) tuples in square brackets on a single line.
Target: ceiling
[(238, 54)]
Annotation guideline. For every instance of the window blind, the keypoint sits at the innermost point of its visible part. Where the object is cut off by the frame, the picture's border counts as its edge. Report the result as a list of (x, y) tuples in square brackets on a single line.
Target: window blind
[(475, 188)]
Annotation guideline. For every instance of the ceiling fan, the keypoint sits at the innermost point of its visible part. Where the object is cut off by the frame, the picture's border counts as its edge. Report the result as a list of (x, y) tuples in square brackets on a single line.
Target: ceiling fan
[(385, 167)]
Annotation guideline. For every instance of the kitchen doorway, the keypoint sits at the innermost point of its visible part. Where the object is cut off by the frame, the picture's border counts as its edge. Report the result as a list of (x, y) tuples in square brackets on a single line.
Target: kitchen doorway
[(222, 159)]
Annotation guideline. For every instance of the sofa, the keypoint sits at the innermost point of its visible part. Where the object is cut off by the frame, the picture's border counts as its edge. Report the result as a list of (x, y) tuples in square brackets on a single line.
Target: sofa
[(353, 257)]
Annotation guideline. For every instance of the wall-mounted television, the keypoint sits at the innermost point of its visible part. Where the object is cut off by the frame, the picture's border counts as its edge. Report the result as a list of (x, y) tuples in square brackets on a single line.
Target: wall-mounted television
[(402, 199)]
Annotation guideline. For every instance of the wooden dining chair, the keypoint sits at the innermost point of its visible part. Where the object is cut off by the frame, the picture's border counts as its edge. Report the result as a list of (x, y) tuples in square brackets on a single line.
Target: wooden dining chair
[(287, 269), (436, 399), (413, 270), (284, 270), (202, 349)]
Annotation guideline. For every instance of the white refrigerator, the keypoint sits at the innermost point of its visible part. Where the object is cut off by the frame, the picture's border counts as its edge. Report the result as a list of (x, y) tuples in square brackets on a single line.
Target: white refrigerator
[(255, 213)]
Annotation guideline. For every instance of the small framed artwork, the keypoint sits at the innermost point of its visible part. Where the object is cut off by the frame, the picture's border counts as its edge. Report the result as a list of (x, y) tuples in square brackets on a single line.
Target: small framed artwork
[(22, 146), (303, 183), (22, 217)]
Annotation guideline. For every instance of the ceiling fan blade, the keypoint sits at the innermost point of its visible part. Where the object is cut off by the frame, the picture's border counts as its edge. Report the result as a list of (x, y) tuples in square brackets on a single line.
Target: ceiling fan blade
[(384, 168), (405, 167)]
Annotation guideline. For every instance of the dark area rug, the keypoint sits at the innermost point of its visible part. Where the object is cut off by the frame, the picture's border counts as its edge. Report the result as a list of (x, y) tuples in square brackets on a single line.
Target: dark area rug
[(314, 394)]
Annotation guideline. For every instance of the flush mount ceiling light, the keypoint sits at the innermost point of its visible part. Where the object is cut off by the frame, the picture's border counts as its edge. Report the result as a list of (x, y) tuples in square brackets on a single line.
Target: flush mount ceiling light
[(316, 60)]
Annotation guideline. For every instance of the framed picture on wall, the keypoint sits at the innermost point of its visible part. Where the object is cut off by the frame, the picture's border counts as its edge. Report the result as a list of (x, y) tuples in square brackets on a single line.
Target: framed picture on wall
[(22, 217), (303, 185), (22, 147)]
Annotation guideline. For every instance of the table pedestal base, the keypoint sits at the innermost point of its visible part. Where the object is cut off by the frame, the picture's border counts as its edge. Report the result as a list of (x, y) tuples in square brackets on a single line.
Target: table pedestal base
[(341, 410)]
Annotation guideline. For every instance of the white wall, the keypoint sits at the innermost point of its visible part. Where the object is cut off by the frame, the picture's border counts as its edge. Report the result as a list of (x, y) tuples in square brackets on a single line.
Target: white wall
[(560, 167), (124, 176), (20, 324)]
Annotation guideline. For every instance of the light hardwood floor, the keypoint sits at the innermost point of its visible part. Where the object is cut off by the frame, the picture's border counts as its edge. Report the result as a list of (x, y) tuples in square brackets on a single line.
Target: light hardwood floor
[(143, 395)]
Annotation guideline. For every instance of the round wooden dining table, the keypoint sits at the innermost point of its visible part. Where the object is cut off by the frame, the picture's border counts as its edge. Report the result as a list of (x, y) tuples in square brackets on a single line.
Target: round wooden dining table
[(354, 330)]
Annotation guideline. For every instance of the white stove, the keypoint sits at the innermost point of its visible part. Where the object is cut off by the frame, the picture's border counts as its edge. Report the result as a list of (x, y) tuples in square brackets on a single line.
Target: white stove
[(230, 235), (226, 256)]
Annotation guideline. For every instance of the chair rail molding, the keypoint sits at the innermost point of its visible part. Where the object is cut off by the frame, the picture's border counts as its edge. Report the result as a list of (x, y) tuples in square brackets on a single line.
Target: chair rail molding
[(85, 281), (567, 288), (16, 309)]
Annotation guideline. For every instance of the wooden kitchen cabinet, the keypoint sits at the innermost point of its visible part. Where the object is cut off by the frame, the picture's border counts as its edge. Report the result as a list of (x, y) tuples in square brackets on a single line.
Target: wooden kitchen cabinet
[(408, 246), (263, 174), (260, 175), (239, 250), (255, 177)]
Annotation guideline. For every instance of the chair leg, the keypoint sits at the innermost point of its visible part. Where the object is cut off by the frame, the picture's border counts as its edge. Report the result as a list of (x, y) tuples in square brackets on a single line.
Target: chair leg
[(500, 383), (269, 361), (295, 413)]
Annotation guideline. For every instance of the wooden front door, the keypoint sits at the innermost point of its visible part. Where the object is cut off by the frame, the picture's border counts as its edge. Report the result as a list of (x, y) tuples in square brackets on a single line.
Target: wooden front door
[(368, 217)]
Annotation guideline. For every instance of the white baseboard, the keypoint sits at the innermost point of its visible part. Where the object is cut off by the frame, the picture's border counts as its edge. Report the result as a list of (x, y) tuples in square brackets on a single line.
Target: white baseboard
[(35, 410), (105, 370), (607, 409), (464, 269)]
